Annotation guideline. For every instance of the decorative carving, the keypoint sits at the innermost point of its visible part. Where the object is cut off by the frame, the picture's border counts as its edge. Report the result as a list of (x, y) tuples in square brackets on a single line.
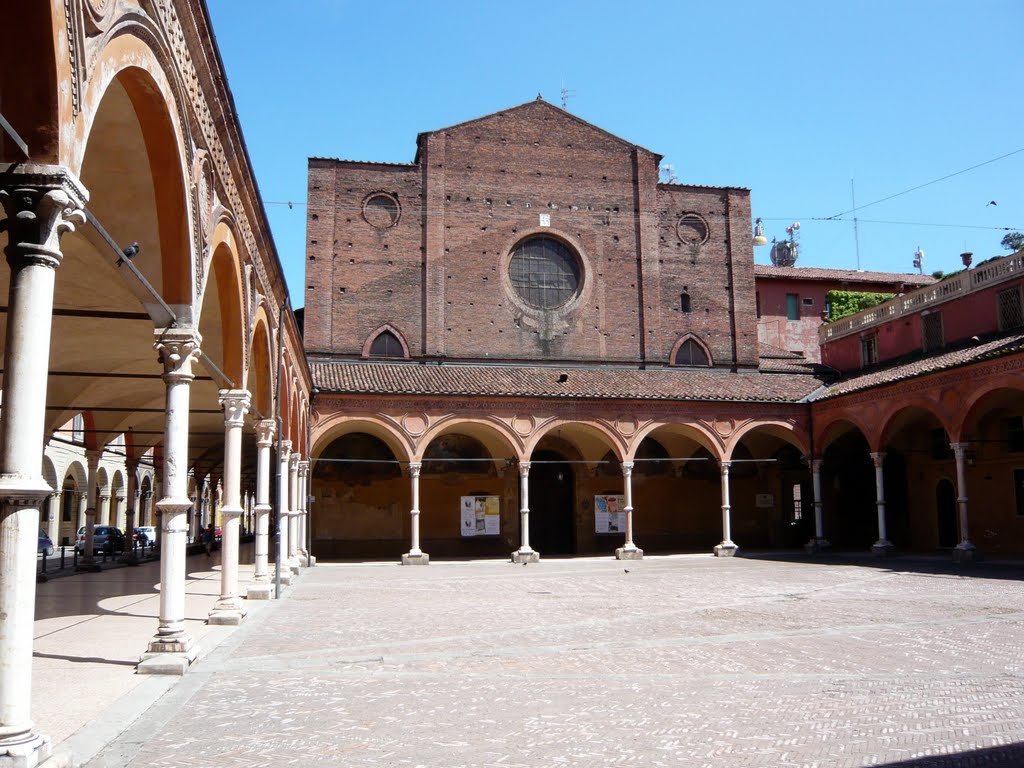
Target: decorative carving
[(178, 349), (40, 204), (415, 423), (236, 405), (265, 431)]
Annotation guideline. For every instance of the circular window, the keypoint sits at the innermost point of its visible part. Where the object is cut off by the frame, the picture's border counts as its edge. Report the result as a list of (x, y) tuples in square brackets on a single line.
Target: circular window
[(692, 229), (381, 210), (545, 273)]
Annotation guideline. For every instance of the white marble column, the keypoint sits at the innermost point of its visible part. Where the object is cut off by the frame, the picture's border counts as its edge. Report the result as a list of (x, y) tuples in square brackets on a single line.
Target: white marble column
[(525, 554), (53, 529), (415, 555), (131, 468), (103, 506), (819, 542), (173, 649), (303, 544), (39, 203), (629, 550), (230, 609), (261, 588), (883, 546), (82, 499), (727, 548), (964, 551), (87, 560), (282, 512), (293, 511)]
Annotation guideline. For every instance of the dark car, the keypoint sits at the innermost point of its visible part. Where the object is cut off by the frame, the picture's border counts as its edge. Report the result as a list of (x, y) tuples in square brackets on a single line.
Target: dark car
[(45, 545), (106, 538)]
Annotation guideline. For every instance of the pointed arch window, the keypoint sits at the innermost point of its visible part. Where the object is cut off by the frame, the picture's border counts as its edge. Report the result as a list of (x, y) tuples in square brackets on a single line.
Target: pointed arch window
[(386, 341), (691, 354)]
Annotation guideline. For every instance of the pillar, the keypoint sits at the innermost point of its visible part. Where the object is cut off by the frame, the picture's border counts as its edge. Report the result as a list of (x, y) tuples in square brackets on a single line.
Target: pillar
[(727, 548), (883, 546), (173, 649), (82, 498), (293, 510), (304, 482), (629, 550), (103, 506), (88, 561), (230, 609), (964, 551), (131, 468), (524, 554), (261, 588), (415, 555), (819, 542), (285, 447), (40, 203)]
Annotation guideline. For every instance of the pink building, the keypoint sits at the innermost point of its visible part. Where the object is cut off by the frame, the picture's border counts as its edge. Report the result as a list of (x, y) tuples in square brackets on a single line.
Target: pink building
[(790, 301)]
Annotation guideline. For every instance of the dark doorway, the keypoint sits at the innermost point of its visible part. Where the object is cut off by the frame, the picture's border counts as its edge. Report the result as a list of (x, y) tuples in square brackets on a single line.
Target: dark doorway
[(945, 507), (552, 501)]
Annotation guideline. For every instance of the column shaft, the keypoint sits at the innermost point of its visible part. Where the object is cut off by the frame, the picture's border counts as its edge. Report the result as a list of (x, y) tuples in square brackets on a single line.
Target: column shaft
[(229, 609), (883, 546), (415, 555), (965, 549), (629, 550), (524, 554), (727, 548)]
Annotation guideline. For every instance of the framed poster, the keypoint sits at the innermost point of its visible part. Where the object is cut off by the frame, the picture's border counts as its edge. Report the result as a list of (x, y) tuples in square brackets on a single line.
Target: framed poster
[(481, 515), (608, 514)]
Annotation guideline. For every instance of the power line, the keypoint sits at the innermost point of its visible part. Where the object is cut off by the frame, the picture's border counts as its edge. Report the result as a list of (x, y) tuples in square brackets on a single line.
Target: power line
[(928, 183)]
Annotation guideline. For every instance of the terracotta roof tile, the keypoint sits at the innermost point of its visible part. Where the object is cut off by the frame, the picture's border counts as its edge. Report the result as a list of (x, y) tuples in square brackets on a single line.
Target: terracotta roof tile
[(1004, 345), (601, 383), (842, 275)]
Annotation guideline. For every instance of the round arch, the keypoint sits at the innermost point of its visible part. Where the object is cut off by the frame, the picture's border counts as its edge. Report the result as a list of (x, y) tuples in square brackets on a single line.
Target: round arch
[(592, 439), (259, 376), (497, 438), (226, 316), (906, 411), (338, 425), (780, 430), (829, 430), (979, 400), (672, 434)]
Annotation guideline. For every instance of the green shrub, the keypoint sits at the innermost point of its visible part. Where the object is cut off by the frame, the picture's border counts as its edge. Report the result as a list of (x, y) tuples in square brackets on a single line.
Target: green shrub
[(844, 303)]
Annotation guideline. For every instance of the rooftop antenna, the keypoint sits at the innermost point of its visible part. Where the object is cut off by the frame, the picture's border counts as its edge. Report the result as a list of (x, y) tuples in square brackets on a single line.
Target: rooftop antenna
[(567, 94), (919, 260), (856, 236)]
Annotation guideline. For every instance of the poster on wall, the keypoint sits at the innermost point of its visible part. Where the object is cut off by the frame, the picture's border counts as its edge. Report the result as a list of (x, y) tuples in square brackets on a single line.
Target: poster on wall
[(608, 514), (481, 515)]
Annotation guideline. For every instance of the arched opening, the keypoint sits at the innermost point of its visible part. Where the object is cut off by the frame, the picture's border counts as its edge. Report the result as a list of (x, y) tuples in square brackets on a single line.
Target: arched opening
[(945, 511), (221, 320), (848, 492), (691, 353), (552, 502), (260, 381)]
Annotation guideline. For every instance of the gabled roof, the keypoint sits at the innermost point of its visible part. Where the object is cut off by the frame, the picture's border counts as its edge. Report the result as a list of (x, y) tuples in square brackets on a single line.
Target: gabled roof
[(842, 275), (535, 104)]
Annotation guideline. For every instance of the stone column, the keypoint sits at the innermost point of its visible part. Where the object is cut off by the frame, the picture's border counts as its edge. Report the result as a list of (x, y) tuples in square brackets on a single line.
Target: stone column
[(131, 468), (229, 609), (727, 548), (53, 529), (525, 554), (88, 561), (82, 497), (304, 481), (964, 551), (415, 555), (819, 542), (261, 588), (282, 512), (103, 507), (883, 546), (40, 203), (629, 550), (293, 511), (173, 649)]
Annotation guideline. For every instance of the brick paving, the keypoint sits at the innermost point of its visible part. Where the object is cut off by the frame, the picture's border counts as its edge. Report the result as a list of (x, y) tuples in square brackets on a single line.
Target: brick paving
[(681, 661)]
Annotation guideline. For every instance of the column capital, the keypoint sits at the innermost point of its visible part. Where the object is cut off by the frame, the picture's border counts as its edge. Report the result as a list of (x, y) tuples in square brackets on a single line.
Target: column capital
[(303, 468), (236, 404), (524, 469), (627, 469), (959, 450), (725, 467), (178, 348), (293, 462), (265, 431), (414, 468), (286, 448), (40, 203), (878, 457), (816, 465)]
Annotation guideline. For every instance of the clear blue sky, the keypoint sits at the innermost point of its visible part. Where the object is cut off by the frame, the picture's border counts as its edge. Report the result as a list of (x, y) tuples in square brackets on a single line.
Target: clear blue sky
[(789, 99)]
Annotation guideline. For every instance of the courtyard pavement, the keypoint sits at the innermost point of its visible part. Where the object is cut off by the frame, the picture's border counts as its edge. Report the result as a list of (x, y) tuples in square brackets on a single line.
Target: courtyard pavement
[(669, 661)]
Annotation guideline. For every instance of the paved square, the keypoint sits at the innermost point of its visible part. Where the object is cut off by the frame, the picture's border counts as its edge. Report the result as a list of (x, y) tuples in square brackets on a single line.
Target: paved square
[(669, 661)]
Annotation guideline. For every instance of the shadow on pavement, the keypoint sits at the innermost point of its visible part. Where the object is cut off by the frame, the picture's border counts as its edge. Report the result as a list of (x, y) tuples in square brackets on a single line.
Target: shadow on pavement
[(937, 565), (990, 757), (83, 659)]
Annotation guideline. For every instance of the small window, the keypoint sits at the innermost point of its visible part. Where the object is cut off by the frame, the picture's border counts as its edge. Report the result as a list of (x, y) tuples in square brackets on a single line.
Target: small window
[(932, 331), (684, 301), (386, 345), (808, 301), (792, 306), (798, 504), (78, 429), (869, 349), (690, 353), (1011, 314)]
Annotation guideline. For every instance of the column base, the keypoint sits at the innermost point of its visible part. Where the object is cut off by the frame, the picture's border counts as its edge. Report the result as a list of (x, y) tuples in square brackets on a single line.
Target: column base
[(817, 545), (525, 556), (34, 750), (264, 590), (286, 577), (167, 656), (883, 548), (422, 558), (629, 553), (725, 549), (964, 552), (228, 612)]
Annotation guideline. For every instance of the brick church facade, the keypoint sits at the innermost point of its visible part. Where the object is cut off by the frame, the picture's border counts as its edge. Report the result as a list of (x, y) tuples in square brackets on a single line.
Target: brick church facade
[(523, 343)]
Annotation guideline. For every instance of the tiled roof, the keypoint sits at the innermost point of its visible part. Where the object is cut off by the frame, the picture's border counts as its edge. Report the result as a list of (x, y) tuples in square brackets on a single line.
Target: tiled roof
[(601, 383), (1005, 345), (769, 351), (842, 275)]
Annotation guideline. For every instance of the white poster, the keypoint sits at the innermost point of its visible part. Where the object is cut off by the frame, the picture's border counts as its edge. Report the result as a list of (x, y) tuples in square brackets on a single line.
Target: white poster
[(608, 514), (480, 515)]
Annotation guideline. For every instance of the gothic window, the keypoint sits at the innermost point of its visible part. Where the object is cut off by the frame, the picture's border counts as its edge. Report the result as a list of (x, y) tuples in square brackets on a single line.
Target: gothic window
[(386, 345), (690, 353), (545, 272)]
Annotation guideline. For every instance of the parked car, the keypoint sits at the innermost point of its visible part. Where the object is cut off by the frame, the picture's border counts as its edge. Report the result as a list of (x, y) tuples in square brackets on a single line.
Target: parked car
[(145, 534), (45, 545), (106, 538)]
